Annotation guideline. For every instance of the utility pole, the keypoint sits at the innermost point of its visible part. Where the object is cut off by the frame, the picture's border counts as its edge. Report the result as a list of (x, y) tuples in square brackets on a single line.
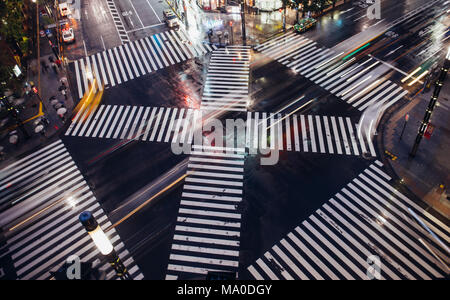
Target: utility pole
[(432, 104), (185, 14), (244, 34), (404, 125)]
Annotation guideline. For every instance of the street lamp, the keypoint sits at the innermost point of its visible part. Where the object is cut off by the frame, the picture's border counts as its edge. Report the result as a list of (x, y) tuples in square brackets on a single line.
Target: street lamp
[(103, 244)]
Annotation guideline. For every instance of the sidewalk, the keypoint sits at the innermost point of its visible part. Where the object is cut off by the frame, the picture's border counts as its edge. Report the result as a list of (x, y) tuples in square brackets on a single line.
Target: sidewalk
[(423, 174), (259, 27), (50, 83)]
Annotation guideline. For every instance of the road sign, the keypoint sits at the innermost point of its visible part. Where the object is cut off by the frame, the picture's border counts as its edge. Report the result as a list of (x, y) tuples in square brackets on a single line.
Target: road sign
[(429, 131)]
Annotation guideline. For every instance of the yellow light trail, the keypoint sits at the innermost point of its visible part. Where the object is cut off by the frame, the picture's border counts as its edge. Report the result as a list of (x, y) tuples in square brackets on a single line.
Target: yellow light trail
[(290, 113), (146, 202), (363, 91), (411, 74), (418, 78)]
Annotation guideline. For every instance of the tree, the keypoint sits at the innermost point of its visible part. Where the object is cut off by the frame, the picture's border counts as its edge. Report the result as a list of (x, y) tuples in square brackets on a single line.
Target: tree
[(318, 6), (12, 25)]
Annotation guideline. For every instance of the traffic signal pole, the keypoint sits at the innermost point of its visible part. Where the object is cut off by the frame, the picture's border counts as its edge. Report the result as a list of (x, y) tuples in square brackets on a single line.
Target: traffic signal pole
[(431, 105), (244, 34)]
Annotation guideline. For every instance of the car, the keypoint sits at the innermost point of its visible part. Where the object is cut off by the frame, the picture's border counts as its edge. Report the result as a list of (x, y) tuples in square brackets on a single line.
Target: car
[(167, 12), (171, 19), (64, 9), (68, 35), (305, 24)]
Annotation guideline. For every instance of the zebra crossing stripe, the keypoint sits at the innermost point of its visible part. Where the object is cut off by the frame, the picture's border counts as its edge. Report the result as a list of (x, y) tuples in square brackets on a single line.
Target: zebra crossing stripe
[(120, 64), (116, 72), (123, 59), (77, 74), (363, 219), (48, 179), (148, 57), (102, 69)]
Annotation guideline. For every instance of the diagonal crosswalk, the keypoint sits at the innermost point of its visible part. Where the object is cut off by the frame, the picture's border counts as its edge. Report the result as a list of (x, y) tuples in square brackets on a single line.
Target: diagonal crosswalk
[(360, 84), (367, 217), (226, 86), (207, 231), (288, 132), (136, 58), (42, 196)]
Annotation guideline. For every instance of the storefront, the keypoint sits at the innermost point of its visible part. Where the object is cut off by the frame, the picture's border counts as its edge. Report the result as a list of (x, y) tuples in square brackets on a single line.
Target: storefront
[(265, 5), (211, 4)]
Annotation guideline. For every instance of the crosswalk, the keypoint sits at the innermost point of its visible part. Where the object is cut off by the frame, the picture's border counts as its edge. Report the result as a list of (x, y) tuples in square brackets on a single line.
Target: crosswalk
[(369, 217), (42, 196), (360, 84), (207, 231), (154, 124), (288, 132), (136, 58), (226, 86), (121, 31), (306, 133)]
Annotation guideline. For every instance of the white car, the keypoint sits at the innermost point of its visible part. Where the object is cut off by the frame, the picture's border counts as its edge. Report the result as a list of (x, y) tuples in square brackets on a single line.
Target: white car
[(64, 9), (170, 18), (68, 35)]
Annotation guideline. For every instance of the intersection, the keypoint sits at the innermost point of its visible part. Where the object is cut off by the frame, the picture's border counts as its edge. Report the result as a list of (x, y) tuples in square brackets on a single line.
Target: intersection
[(328, 205)]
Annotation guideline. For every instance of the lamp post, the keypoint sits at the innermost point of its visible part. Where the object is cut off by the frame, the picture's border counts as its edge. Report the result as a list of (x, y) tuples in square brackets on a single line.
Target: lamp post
[(432, 104), (103, 244)]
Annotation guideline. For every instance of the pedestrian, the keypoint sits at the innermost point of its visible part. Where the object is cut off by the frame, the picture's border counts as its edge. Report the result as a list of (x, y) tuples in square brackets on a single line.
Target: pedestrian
[(45, 121), (63, 91), (44, 67), (55, 67), (2, 154), (58, 63)]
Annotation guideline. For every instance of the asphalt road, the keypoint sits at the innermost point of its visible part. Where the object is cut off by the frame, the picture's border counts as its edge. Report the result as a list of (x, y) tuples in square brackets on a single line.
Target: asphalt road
[(276, 198)]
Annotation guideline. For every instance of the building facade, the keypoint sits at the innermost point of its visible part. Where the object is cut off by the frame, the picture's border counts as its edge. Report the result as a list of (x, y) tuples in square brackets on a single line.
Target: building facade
[(263, 5), (211, 4)]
